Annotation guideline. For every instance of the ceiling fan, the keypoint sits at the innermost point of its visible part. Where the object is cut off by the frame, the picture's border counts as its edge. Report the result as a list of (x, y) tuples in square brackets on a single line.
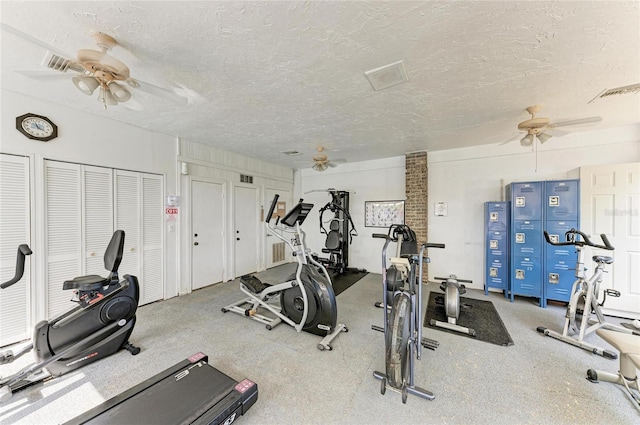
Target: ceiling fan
[(542, 129), (97, 70), (321, 160)]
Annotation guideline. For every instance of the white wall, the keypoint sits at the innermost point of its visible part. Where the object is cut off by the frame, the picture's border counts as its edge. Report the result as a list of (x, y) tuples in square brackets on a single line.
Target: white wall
[(466, 178), (377, 180), (95, 140)]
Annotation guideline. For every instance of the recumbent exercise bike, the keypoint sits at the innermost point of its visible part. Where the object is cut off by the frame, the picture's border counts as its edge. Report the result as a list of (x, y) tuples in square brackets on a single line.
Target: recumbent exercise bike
[(312, 309), (403, 321), (97, 327)]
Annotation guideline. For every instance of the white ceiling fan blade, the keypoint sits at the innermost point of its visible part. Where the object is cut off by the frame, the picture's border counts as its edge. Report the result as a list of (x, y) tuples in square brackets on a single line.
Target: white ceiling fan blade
[(32, 40), (511, 138), (555, 132), (160, 91), (44, 75), (575, 122), (334, 162)]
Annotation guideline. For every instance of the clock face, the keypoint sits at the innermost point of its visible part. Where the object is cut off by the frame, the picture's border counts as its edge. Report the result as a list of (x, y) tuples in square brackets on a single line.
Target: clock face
[(37, 127)]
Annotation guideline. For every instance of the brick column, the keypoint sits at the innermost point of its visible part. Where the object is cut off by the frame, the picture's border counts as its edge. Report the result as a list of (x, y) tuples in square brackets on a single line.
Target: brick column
[(416, 207), (416, 190)]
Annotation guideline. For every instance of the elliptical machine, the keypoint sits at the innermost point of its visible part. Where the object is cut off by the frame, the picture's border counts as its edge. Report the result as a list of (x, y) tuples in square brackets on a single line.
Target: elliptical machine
[(99, 326), (452, 288), (403, 323), (313, 309)]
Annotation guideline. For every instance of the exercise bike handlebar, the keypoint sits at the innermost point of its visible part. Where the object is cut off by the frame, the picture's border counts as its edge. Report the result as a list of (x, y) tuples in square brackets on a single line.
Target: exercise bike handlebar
[(433, 245), (586, 241), (272, 209), (23, 250)]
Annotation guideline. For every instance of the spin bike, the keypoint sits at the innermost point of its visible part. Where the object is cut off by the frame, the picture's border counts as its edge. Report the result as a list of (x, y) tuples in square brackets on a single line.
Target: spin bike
[(403, 324), (584, 297), (313, 309), (97, 327), (452, 288)]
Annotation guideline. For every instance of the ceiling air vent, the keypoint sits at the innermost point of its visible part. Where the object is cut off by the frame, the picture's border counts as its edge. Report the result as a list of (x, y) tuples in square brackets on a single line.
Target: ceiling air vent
[(387, 76), (58, 63), (632, 89), (291, 153)]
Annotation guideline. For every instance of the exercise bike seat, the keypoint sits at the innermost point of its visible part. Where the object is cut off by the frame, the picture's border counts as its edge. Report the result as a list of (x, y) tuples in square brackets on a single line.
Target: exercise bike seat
[(254, 284), (625, 343), (112, 258), (86, 283), (602, 259)]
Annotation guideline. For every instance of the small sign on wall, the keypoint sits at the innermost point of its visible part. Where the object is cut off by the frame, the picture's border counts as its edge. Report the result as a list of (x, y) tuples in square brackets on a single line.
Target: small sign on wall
[(441, 209), (171, 214)]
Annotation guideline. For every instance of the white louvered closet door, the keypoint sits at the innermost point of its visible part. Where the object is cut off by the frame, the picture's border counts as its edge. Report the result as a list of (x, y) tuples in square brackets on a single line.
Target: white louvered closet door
[(98, 217), (139, 212), (152, 242), (14, 230), (63, 220), (127, 218)]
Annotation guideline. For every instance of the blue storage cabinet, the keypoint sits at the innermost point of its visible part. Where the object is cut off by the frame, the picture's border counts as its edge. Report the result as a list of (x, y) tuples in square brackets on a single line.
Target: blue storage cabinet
[(561, 213), (526, 241), (497, 236)]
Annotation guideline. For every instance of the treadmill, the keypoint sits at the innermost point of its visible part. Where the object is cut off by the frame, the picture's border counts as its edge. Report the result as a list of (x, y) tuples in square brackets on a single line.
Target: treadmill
[(190, 392)]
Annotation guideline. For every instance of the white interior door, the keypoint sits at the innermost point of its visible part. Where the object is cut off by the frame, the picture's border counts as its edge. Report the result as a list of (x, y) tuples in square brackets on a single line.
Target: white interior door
[(276, 251), (610, 204), (207, 233), (14, 231), (245, 207)]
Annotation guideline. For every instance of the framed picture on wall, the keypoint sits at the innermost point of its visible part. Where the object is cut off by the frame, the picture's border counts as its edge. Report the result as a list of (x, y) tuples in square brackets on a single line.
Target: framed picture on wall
[(383, 213)]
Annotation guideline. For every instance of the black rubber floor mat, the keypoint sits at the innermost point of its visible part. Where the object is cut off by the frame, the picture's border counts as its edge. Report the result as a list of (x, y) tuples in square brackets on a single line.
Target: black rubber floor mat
[(480, 316), (343, 281)]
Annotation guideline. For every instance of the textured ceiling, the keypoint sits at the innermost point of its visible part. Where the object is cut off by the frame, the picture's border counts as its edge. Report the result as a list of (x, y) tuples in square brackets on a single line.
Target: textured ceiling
[(260, 78)]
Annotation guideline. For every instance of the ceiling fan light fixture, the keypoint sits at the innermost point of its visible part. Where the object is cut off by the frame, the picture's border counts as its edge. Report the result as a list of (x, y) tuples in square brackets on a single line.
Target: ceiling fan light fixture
[(120, 93), (320, 166), (106, 98), (85, 84), (527, 140), (543, 137)]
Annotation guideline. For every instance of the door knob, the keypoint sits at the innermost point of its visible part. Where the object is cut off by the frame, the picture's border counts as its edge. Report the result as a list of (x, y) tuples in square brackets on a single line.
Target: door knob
[(195, 243), (237, 239)]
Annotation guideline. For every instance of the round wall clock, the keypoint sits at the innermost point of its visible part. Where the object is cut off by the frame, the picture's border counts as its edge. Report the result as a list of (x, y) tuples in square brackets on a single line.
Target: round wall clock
[(37, 127)]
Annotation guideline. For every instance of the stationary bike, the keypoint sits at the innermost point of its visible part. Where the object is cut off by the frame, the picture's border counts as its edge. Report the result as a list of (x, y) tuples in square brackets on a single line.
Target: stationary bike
[(403, 324), (97, 327), (452, 288), (584, 297), (313, 309)]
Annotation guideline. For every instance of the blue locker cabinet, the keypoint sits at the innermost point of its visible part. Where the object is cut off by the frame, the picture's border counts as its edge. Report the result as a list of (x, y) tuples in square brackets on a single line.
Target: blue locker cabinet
[(526, 247), (497, 235), (561, 213), (526, 201), (525, 276)]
